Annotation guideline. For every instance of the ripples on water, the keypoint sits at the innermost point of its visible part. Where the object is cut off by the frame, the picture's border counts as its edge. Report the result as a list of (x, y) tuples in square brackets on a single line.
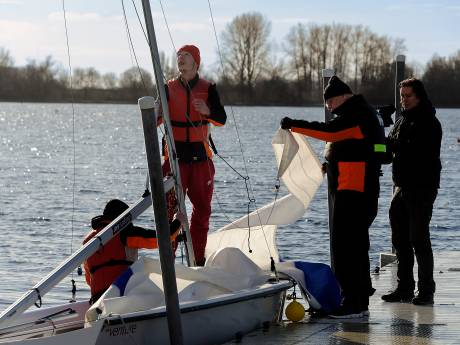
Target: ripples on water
[(36, 184)]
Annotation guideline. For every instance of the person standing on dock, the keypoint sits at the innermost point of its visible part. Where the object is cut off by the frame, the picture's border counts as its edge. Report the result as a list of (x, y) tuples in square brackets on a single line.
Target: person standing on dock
[(194, 104), (355, 143), (414, 144)]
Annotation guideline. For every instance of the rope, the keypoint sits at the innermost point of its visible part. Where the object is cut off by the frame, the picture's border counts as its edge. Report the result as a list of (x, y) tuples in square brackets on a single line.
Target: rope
[(167, 26), (38, 304), (246, 179), (72, 221), (237, 132), (131, 45)]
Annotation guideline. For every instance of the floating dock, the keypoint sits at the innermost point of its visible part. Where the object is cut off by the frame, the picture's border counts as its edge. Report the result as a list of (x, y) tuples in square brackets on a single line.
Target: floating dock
[(388, 323)]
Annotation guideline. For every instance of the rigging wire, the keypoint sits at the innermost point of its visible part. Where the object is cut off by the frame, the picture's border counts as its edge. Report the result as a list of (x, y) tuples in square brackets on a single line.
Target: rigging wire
[(167, 26), (193, 125), (147, 40), (249, 188), (132, 46), (248, 182), (73, 126), (246, 179)]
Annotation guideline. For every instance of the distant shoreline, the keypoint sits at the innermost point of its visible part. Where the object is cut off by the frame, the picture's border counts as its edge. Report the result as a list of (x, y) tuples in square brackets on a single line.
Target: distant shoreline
[(312, 105)]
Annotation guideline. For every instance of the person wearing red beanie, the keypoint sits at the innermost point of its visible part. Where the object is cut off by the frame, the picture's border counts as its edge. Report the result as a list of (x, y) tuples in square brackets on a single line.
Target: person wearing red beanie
[(194, 104)]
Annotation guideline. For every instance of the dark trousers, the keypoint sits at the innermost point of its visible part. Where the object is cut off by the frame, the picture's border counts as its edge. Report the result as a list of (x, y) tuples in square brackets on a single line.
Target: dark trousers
[(352, 213), (410, 215)]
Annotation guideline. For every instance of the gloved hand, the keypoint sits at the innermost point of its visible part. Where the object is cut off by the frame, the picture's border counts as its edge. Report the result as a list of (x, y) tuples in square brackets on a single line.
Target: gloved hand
[(286, 123), (180, 217)]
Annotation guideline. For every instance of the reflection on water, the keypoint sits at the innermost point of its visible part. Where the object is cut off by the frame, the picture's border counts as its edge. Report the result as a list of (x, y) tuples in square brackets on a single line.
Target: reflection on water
[(40, 226)]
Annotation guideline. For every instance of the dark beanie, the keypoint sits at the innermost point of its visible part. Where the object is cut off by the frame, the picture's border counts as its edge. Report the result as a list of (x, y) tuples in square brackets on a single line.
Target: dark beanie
[(114, 208), (335, 87)]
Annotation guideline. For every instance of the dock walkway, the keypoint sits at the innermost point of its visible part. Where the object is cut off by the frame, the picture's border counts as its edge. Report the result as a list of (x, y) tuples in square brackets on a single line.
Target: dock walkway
[(388, 323)]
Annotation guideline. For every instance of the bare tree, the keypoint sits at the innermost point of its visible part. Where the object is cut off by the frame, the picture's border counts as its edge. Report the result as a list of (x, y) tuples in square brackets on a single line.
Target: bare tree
[(109, 81), (136, 78), (86, 78), (298, 48), (356, 42), (5, 58), (245, 48), (340, 34), (169, 65)]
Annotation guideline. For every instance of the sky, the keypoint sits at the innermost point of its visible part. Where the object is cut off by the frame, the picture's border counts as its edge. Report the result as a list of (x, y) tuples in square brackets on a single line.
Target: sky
[(34, 29)]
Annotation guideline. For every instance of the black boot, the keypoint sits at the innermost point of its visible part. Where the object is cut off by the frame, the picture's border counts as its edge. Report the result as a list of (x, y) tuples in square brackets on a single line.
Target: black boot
[(423, 298), (399, 295)]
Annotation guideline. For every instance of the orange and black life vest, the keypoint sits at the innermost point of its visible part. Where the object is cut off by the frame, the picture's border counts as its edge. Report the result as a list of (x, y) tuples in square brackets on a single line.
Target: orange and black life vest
[(111, 260), (104, 266), (188, 125), (190, 128)]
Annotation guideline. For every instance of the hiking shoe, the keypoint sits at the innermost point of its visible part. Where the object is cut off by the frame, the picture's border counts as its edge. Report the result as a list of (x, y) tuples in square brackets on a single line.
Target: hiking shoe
[(344, 312), (398, 296), (423, 299)]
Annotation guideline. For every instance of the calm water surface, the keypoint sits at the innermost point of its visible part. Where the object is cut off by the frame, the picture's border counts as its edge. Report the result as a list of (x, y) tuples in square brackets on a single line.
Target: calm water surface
[(40, 225)]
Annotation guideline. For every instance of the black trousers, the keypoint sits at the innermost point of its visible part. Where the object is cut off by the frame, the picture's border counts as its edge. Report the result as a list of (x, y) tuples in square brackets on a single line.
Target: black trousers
[(410, 215), (352, 213)]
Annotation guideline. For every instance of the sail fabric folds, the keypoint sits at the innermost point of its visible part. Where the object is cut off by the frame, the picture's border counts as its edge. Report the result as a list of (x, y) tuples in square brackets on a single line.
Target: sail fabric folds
[(141, 286), (254, 234)]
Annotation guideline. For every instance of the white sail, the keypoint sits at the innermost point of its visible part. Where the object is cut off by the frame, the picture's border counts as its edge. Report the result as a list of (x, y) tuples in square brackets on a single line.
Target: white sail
[(300, 171)]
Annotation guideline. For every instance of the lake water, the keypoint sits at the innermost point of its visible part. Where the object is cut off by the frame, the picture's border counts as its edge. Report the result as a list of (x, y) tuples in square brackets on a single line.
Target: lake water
[(40, 225)]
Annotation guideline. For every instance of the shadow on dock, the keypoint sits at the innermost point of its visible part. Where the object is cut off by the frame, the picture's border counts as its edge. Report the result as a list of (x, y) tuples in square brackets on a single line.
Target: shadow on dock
[(388, 323)]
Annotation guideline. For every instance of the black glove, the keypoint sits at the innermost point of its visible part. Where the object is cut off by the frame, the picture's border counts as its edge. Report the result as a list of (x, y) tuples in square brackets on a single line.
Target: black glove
[(286, 123)]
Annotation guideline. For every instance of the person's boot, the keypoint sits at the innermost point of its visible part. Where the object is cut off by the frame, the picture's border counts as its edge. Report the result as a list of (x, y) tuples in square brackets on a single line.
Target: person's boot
[(399, 295), (423, 298)]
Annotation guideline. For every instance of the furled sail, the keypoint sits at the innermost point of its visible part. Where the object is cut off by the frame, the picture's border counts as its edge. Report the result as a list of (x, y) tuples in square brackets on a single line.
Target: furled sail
[(300, 171)]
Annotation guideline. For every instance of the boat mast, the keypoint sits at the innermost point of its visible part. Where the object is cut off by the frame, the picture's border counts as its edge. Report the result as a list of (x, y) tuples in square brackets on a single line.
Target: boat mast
[(168, 129), (147, 105)]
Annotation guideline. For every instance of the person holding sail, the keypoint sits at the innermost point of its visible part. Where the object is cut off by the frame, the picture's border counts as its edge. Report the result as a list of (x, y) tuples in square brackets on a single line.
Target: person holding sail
[(111, 260), (194, 104), (356, 143)]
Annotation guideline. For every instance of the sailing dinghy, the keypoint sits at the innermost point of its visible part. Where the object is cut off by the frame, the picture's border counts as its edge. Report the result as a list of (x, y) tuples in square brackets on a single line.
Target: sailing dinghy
[(234, 293)]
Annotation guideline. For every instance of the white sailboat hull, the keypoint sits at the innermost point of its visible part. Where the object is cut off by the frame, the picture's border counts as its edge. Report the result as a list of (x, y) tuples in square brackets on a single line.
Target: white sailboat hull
[(213, 321)]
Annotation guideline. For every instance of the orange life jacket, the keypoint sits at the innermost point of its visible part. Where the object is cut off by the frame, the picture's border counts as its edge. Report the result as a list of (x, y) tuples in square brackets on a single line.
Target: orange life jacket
[(188, 124), (190, 128), (104, 266)]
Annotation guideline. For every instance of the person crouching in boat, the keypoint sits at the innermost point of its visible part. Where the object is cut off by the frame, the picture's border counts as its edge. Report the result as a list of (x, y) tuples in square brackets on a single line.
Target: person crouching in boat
[(111, 260), (356, 143), (194, 105)]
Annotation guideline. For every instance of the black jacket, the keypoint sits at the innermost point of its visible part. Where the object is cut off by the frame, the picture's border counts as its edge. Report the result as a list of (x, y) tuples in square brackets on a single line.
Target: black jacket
[(415, 144), (353, 135)]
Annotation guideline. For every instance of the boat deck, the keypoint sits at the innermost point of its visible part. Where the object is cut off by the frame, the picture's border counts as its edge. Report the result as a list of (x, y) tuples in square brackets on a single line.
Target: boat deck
[(388, 323)]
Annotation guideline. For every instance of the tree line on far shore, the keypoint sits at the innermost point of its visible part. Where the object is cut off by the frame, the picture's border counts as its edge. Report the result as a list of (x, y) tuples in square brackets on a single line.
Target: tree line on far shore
[(253, 71)]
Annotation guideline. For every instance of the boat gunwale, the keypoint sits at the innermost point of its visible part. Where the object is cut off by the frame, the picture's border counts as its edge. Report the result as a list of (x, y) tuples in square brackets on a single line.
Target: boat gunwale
[(192, 306)]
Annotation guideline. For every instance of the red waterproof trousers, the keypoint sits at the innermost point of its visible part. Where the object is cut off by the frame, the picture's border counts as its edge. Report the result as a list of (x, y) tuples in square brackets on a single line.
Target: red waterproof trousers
[(198, 184)]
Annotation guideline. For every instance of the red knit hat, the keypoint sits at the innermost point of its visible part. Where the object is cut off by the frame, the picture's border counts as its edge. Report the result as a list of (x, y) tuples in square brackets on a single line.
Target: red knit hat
[(192, 50)]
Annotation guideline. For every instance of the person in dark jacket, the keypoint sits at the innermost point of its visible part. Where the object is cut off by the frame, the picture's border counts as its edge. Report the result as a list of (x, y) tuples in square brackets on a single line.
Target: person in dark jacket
[(414, 144), (355, 141), (104, 266)]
